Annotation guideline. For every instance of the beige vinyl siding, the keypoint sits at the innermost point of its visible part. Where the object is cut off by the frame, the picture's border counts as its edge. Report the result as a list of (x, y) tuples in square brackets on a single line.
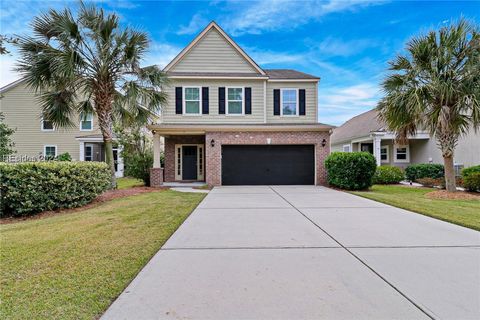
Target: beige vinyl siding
[(213, 53), (311, 107), (22, 112), (168, 111)]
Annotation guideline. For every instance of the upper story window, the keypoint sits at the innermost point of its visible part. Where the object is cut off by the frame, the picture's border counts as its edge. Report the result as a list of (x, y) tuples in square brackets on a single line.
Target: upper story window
[(47, 125), (289, 102), (191, 102), (402, 153), (235, 101), (86, 122)]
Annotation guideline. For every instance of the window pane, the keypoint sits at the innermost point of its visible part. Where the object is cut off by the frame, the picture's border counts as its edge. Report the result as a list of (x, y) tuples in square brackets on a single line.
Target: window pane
[(86, 125), (289, 95), (234, 107), (47, 125), (192, 107), (192, 94), (234, 93), (401, 156), (50, 152), (289, 108)]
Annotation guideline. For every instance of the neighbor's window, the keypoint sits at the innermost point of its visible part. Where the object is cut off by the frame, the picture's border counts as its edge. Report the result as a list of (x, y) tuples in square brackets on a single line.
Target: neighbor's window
[(402, 154), (86, 122), (384, 154), (235, 101), (50, 152), (289, 102), (192, 100), (47, 125), (88, 153), (346, 148)]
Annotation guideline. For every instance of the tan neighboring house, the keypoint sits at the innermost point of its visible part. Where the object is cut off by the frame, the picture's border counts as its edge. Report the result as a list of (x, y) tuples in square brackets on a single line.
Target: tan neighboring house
[(230, 122), (366, 133), (36, 139)]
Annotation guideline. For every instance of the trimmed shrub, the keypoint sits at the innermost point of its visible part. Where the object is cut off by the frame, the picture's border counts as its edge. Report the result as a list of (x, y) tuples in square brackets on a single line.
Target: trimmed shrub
[(468, 171), (424, 170), (350, 170), (32, 187), (472, 181), (388, 175)]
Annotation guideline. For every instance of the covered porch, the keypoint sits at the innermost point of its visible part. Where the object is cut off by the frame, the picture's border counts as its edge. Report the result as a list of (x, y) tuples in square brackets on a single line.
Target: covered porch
[(93, 149)]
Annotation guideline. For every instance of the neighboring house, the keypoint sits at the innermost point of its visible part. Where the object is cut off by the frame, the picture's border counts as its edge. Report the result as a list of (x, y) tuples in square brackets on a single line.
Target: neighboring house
[(36, 139), (230, 122), (366, 132)]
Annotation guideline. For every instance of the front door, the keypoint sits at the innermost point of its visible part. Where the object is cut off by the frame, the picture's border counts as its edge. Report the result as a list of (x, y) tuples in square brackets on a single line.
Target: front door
[(189, 162)]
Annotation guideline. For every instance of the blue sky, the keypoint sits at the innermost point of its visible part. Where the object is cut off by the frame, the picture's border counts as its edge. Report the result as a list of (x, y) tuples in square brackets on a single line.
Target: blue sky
[(346, 43)]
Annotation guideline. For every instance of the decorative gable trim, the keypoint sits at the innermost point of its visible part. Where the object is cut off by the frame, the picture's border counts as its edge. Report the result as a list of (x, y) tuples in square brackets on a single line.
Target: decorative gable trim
[(211, 25)]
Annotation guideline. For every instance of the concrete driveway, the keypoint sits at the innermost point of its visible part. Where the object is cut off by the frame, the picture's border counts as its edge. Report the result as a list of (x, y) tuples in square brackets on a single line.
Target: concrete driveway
[(300, 252)]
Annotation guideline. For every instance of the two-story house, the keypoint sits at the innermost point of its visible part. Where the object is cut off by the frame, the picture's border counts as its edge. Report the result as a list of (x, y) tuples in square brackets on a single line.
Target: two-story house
[(230, 122), (36, 139)]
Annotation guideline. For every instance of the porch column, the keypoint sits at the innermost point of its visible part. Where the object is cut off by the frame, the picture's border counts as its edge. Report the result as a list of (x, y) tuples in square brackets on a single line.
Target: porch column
[(377, 141), (156, 150), (82, 151)]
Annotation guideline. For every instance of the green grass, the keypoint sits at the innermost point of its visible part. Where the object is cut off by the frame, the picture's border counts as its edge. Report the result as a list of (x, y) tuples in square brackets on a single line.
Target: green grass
[(462, 212), (127, 182), (72, 266)]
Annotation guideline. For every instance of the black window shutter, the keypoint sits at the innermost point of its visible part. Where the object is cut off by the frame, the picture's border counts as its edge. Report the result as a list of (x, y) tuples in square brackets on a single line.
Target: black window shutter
[(204, 100), (178, 100), (301, 99), (248, 100), (221, 100), (276, 102)]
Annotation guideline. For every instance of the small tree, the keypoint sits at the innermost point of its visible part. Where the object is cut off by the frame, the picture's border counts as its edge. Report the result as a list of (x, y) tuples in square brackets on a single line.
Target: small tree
[(6, 143), (86, 63), (436, 87)]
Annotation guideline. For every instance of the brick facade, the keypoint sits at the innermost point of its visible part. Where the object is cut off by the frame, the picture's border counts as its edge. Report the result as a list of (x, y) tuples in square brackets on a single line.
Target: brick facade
[(213, 154), (156, 177), (170, 143)]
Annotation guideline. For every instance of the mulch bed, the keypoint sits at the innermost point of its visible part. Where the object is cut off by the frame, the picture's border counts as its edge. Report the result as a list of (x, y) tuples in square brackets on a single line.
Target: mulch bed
[(459, 195), (106, 196)]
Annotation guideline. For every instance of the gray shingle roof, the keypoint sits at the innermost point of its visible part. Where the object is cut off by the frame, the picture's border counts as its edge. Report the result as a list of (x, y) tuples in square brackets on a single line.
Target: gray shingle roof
[(358, 126), (288, 74)]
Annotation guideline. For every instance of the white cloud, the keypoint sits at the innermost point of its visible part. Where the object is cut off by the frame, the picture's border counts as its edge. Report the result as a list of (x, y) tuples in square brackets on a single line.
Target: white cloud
[(338, 104), (337, 47), (266, 57), (197, 23), (161, 54), (284, 14), (7, 63)]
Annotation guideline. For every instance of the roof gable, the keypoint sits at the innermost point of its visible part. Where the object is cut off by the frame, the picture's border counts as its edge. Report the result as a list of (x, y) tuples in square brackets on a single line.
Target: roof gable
[(359, 126), (213, 51)]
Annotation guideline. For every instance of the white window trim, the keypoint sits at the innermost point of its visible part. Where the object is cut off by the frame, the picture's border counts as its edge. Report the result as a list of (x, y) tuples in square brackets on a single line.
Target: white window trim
[(46, 130), (227, 101), (47, 146), (407, 156), (184, 100), (297, 111), (91, 120), (349, 148), (388, 154)]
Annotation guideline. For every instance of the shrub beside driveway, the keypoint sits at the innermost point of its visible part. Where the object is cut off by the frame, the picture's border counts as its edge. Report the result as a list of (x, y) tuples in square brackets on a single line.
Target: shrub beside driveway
[(72, 266), (462, 212)]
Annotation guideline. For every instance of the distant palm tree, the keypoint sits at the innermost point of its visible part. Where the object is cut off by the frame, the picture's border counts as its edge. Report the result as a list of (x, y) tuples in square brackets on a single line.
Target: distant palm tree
[(436, 87), (88, 64)]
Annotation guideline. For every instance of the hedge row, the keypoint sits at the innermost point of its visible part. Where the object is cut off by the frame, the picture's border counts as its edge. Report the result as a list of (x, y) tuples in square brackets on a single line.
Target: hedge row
[(388, 175), (471, 178), (33, 187), (350, 170), (424, 170)]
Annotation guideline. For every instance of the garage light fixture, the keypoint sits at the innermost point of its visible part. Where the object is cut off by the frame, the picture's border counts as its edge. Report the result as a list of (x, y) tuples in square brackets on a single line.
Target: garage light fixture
[(212, 143), (324, 143)]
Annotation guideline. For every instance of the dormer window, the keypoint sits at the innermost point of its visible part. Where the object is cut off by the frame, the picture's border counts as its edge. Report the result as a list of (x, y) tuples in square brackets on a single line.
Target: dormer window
[(191, 102), (289, 102), (235, 101)]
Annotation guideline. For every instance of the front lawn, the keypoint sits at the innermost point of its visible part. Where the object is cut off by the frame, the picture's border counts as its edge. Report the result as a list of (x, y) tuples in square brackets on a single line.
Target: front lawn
[(127, 182), (462, 212), (72, 266)]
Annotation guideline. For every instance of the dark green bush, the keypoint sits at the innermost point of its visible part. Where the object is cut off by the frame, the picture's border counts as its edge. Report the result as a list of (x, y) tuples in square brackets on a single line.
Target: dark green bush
[(424, 170), (350, 170), (471, 182), (32, 187), (137, 165), (388, 175), (64, 157), (467, 171)]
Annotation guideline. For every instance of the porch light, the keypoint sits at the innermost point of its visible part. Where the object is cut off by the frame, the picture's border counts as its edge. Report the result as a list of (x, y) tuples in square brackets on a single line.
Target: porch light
[(212, 143), (324, 143)]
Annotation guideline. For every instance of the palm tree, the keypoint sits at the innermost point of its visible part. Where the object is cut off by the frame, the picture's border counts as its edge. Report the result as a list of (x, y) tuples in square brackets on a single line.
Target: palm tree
[(87, 64), (436, 87)]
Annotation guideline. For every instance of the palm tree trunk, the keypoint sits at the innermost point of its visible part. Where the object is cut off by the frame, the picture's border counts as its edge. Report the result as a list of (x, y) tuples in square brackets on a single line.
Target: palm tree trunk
[(110, 161), (449, 174), (105, 124)]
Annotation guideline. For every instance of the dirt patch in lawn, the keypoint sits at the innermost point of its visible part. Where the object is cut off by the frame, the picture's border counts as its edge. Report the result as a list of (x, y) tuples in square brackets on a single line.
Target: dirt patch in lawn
[(106, 196), (459, 195)]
